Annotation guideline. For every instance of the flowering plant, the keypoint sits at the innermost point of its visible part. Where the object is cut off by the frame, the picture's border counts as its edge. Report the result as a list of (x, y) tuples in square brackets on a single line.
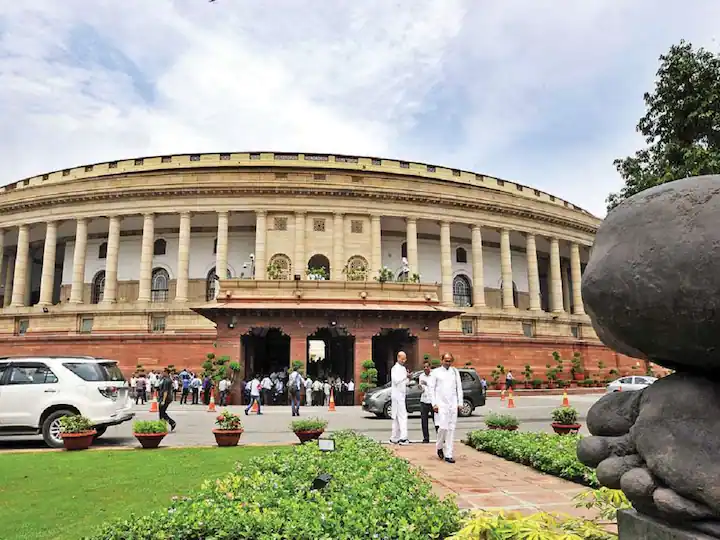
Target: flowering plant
[(227, 421)]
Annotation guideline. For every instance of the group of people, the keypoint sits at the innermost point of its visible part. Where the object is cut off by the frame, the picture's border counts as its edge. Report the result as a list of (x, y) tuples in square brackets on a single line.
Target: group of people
[(187, 383), (441, 400)]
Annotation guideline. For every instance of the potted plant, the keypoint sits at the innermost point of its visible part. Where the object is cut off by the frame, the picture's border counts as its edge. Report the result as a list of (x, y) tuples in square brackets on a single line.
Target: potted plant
[(309, 429), (537, 383), (76, 432), (229, 429), (150, 432), (565, 420), (317, 274), (505, 422), (385, 275), (527, 373), (274, 271), (576, 369), (551, 374), (368, 377)]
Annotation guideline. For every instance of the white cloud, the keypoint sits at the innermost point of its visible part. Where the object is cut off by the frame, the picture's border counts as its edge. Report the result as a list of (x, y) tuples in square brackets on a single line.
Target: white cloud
[(342, 76)]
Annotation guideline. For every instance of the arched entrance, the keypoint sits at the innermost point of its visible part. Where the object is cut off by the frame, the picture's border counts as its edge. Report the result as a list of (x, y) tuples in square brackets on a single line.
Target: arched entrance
[(315, 263), (385, 346), (331, 355), (265, 350)]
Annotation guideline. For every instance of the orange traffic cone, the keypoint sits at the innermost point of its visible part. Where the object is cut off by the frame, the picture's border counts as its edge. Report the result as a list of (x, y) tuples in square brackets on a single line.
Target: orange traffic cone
[(211, 406), (566, 401), (511, 401), (153, 405), (255, 407), (502, 395), (331, 408)]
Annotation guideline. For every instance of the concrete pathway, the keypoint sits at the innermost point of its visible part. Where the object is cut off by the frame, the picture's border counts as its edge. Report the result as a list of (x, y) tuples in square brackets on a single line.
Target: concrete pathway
[(483, 481)]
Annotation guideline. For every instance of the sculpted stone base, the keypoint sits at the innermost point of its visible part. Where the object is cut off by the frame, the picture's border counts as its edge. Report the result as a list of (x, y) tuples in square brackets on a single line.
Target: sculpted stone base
[(635, 526)]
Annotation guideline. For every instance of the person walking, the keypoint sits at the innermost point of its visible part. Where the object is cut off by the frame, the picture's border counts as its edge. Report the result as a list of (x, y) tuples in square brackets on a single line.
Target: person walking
[(254, 386), (399, 377), (185, 390), (426, 408), (141, 389), (447, 400), (295, 386), (166, 393)]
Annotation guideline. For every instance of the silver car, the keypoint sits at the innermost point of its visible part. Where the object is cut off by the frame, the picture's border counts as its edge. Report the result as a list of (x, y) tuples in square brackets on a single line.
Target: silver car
[(630, 383)]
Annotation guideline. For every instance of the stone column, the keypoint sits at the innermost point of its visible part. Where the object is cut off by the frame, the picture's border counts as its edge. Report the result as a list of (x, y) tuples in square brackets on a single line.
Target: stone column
[(146, 257), (477, 267), (111, 261), (21, 267), (221, 253), (532, 270), (576, 277), (338, 262), (376, 241), (298, 264), (445, 263), (181, 286), (2, 249), (79, 254), (508, 298), (412, 246), (260, 235), (9, 271), (47, 280), (28, 280), (556, 297)]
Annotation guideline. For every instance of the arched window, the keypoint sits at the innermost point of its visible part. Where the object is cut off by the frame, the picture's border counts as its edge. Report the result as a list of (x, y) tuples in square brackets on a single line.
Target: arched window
[(159, 247), (462, 291), (460, 255), (403, 250), (357, 268), (160, 285), (102, 251), (279, 267), (319, 261), (211, 284), (98, 288)]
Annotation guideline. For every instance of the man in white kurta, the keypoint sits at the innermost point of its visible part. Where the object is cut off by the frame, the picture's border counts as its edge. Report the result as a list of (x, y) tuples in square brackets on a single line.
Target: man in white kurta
[(399, 382), (447, 399)]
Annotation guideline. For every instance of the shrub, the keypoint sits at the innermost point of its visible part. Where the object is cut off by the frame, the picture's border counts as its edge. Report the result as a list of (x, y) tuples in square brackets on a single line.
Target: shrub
[(605, 500), (308, 424), (75, 423), (501, 421), (227, 421), (548, 453), (372, 494), (565, 415), (150, 426)]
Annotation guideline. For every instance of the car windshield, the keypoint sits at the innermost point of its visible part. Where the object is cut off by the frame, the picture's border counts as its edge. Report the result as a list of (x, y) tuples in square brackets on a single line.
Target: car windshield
[(96, 372)]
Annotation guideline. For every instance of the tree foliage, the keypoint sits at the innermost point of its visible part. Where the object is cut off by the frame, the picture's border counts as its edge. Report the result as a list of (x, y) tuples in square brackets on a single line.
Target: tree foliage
[(681, 124)]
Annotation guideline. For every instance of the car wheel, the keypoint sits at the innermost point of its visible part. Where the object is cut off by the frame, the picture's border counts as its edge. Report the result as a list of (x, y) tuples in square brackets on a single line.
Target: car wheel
[(387, 410), (467, 408), (51, 428), (100, 431)]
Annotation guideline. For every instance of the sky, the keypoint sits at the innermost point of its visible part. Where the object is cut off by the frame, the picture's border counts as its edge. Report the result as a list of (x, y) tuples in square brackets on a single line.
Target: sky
[(544, 93)]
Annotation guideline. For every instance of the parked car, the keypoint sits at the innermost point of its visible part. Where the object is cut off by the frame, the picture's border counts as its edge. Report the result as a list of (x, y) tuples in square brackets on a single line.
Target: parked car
[(378, 402), (626, 384), (36, 391)]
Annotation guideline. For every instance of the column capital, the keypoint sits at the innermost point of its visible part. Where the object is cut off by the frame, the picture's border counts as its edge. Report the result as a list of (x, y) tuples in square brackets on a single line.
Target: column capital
[(476, 227), (301, 213), (260, 213), (338, 214), (223, 212), (81, 220), (411, 220), (444, 223), (185, 213), (529, 234), (375, 217), (52, 223), (148, 215)]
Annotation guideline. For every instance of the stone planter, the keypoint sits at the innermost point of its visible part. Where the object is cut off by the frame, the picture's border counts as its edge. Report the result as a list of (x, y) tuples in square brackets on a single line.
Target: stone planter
[(504, 428), (227, 437), (150, 440), (78, 441), (565, 429), (306, 436)]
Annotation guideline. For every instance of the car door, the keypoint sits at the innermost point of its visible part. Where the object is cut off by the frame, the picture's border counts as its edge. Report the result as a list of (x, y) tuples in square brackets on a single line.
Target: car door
[(28, 388), (3, 406), (414, 392)]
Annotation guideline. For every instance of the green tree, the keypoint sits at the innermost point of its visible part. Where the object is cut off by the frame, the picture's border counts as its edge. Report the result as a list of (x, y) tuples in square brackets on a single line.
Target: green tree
[(681, 124)]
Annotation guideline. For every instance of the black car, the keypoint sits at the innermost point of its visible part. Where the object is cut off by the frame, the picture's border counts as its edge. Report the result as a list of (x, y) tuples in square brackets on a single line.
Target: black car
[(378, 402)]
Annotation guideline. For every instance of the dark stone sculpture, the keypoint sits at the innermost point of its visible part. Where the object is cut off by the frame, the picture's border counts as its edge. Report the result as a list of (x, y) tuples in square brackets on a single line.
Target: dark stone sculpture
[(652, 290)]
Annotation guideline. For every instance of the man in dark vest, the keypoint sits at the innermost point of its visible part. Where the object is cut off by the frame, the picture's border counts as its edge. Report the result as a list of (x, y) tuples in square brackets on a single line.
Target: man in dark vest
[(166, 392)]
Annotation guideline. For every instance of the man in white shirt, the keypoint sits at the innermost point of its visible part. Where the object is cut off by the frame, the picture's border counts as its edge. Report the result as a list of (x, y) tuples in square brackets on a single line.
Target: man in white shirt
[(351, 392), (447, 400), (399, 379), (426, 408), (317, 392), (308, 391), (267, 385), (254, 394), (224, 387)]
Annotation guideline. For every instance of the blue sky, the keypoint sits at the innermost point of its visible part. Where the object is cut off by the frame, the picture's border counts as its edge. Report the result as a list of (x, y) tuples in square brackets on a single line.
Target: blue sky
[(544, 93)]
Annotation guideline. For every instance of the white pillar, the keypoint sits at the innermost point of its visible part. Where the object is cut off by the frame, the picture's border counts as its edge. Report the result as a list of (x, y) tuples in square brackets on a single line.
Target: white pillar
[(47, 280), (2, 251), (79, 254), (260, 235), (181, 286), (376, 232), (576, 276), (221, 255), (146, 257), (338, 262), (508, 298), (9, 271), (477, 267), (445, 263), (298, 264), (412, 246), (532, 270), (556, 295), (111, 261), (20, 283)]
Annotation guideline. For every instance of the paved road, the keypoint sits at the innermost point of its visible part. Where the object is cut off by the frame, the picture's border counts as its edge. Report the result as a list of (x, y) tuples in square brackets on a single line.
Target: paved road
[(195, 423)]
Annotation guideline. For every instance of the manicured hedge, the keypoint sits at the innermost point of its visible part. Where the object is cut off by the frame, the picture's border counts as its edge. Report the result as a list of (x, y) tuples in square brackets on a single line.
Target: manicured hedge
[(549, 453), (372, 494)]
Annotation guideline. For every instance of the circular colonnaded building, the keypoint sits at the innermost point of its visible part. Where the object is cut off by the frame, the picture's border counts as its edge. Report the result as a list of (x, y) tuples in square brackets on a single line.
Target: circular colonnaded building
[(329, 259)]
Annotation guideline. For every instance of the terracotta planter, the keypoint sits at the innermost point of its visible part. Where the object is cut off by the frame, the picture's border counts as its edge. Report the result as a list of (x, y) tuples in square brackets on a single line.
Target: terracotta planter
[(527, 385), (78, 441), (503, 428), (306, 436), (565, 429), (227, 437), (150, 440), (550, 385), (578, 376)]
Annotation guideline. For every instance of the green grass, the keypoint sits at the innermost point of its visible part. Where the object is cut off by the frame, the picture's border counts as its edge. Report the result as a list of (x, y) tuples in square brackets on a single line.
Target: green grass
[(65, 495)]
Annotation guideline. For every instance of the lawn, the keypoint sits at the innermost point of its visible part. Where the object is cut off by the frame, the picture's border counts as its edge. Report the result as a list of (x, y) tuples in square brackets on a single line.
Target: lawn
[(65, 495)]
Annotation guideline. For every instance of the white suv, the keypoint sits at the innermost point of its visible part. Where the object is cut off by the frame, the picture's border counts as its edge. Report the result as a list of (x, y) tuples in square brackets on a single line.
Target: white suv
[(36, 391)]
